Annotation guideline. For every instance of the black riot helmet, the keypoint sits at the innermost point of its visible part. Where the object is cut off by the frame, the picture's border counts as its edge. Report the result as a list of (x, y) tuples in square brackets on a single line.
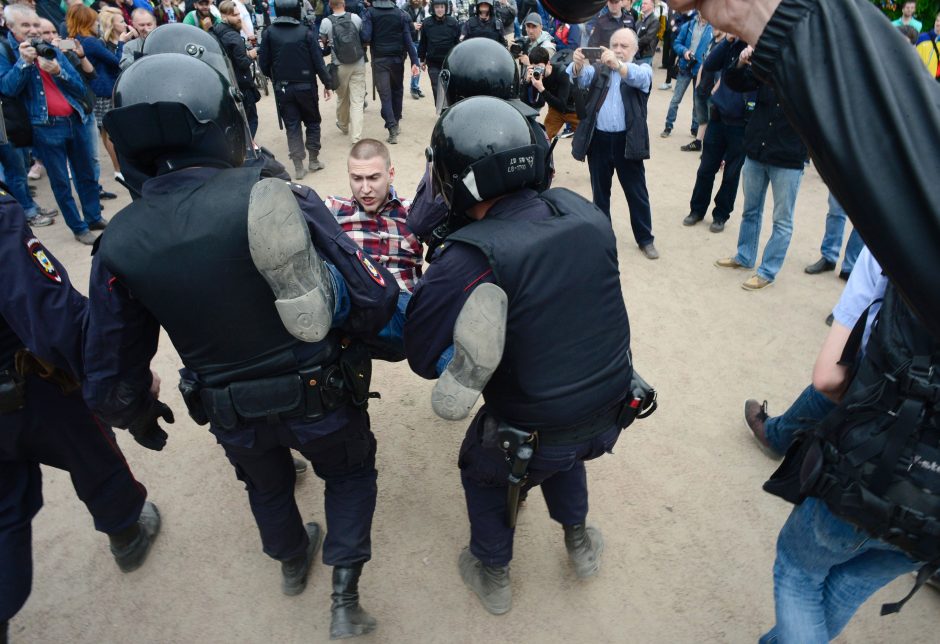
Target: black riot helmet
[(287, 9), (478, 67), (573, 11), (172, 111), (179, 38), (482, 148)]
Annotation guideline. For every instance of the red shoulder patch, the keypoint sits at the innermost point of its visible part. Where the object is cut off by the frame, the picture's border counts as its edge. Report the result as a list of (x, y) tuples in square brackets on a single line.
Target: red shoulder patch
[(41, 259), (373, 271)]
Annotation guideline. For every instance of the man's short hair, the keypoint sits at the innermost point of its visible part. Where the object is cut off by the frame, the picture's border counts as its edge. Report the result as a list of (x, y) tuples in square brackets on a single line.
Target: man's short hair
[(369, 149), (907, 2), (139, 12), (227, 8), (336, 4), (14, 12), (909, 32), (539, 56)]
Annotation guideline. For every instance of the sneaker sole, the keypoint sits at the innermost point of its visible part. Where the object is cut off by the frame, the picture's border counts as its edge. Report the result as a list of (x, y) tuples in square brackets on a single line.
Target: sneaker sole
[(479, 340), (312, 549), (281, 249)]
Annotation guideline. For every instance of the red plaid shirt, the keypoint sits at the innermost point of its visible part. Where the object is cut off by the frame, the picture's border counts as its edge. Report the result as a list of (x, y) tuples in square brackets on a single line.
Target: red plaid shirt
[(385, 235)]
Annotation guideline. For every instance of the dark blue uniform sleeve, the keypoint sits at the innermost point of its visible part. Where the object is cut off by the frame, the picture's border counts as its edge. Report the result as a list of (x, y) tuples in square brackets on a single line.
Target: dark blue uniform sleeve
[(120, 341), (440, 294), (406, 37), (39, 303), (427, 212)]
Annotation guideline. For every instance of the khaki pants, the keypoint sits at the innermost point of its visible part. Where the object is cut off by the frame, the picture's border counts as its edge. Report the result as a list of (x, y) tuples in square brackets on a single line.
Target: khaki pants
[(350, 97), (555, 119)]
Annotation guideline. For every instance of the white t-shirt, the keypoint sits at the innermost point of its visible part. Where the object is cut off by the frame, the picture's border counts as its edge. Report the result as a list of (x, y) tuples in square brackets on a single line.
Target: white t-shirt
[(248, 29)]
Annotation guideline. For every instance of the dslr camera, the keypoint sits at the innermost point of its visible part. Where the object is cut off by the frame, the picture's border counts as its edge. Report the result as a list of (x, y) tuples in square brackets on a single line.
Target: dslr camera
[(43, 48), (515, 49), (538, 71)]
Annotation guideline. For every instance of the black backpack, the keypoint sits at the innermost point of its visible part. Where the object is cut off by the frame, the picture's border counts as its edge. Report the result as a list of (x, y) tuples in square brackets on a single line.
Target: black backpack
[(345, 41), (875, 459)]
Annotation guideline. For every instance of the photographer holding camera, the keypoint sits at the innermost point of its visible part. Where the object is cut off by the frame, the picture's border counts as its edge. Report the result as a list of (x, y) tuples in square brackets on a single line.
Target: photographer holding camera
[(543, 86), (52, 91)]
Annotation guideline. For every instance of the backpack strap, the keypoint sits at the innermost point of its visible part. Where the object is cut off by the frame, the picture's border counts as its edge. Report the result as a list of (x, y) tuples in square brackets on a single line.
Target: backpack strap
[(926, 571), (853, 345)]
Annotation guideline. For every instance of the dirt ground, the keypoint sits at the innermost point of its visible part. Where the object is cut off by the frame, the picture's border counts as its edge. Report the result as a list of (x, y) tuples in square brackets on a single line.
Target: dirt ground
[(689, 533)]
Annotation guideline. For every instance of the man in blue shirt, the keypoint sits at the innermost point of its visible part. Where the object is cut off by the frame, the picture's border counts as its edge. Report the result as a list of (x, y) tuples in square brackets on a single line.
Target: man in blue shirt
[(613, 135)]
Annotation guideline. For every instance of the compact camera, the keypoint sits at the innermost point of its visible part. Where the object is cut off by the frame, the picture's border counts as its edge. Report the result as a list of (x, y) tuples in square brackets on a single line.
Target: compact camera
[(538, 71)]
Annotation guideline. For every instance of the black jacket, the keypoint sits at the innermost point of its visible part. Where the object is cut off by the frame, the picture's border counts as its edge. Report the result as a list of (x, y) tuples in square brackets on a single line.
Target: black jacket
[(291, 52), (647, 34), (871, 138), (234, 46), (438, 37), (557, 92), (768, 138)]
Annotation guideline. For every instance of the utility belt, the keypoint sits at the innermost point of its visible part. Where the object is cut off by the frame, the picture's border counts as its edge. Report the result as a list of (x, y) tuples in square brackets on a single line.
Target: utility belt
[(12, 391), (13, 379), (308, 394), (520, 445)]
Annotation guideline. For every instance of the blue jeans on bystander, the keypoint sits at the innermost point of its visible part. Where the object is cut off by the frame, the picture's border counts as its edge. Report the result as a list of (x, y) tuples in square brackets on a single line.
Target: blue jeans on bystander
[(824, 571), (832, 240), (785, 183)]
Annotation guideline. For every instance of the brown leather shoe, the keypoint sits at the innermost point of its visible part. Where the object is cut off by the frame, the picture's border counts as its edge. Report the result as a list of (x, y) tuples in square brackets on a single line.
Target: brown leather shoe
[(755, 416), (729, 262), (755, 283)]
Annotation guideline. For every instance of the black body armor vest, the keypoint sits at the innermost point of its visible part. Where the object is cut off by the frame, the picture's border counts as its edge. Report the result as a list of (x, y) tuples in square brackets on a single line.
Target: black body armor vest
[(476, 28), (290, 53), (567, 356), (387, 33), (185, 256)]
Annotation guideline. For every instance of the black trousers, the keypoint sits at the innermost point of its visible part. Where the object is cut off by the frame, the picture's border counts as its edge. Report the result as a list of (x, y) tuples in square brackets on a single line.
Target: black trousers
[(605, 156), (344, 459), (722, 143), (388, 74), (298, 104), (434, 72), (57, 430)]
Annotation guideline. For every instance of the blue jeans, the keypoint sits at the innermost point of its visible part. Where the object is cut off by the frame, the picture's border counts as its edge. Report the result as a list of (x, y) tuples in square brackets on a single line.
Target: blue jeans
[(60, 143), (785, 183), (92, 126), (416, 83), (683, 80), (14, 173), (392, 335), (832, 240), (825, 569), (808, 408)]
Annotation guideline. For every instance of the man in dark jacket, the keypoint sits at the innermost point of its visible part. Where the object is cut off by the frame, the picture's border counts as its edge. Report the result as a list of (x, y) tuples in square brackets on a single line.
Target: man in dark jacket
[(776, 157), (229, 34), (647, 33), (544, 83), (613, 134), (391, 39), (290, 56), (439, 34), (611, 18), (724, 143), (484, 24)]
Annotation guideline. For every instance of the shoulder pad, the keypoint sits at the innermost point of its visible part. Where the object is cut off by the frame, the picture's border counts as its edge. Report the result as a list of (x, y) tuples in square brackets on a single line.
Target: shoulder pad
[(302, 191), (5, 196)]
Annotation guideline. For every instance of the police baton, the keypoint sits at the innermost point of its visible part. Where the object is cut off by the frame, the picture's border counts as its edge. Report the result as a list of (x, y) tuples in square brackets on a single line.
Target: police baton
[(519, 448)]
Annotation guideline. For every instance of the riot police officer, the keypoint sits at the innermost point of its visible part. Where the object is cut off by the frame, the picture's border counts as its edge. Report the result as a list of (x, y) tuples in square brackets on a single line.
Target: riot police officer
[(391, 39), (484, 24), (43, 419), (478, 67), (267, 331), (554, 255), (290, 55)]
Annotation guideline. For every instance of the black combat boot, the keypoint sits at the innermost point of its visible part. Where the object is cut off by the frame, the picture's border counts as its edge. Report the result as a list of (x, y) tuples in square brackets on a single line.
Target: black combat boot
[(295, 571), (490, 583), (584, 545), (130, 547), (347, 617)]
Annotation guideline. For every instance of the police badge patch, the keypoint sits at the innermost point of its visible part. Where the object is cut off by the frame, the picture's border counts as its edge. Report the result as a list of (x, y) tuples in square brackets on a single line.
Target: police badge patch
[(373, 271), (35, 248)]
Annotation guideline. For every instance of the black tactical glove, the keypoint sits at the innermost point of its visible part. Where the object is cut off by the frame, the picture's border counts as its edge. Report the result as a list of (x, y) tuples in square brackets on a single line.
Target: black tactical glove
[(147, 431)]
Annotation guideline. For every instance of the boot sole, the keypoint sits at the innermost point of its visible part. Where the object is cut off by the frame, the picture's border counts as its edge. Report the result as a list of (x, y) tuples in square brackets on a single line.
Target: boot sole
[(135, 559), (312, 549), (479, 340), (357, 630), (283, 253)]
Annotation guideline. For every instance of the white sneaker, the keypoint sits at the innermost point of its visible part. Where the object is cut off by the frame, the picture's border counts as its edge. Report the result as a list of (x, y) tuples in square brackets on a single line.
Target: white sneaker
[(666, 86), (35, 172)]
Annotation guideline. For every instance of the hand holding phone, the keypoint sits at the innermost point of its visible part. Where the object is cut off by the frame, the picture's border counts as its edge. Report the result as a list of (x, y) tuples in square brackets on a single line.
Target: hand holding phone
[(592, 54)]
